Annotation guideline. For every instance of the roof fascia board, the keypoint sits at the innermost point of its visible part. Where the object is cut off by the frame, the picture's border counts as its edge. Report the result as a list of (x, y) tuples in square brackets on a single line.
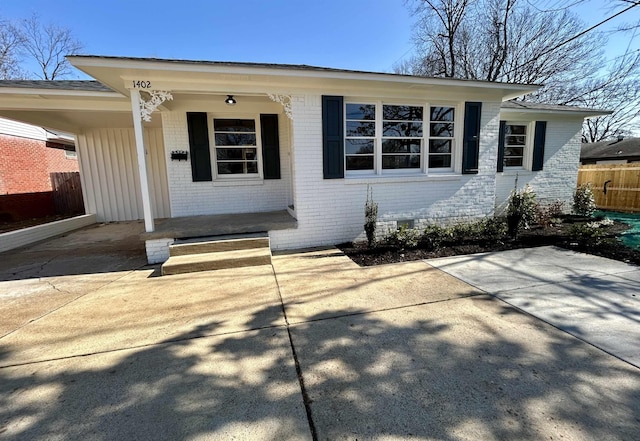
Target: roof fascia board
[(568, 113), (83, 63)]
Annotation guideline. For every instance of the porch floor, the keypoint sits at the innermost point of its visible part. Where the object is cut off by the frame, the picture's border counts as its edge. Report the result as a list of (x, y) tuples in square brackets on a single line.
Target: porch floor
[(220, 224)]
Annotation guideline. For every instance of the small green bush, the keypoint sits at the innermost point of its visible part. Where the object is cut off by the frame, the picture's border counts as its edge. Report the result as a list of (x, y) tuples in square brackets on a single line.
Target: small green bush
[(588, 232), (584, 203), (521, 211), (433, 236), (370, 218), (488, 229), (403, 237), (493, 228), (547, 215)]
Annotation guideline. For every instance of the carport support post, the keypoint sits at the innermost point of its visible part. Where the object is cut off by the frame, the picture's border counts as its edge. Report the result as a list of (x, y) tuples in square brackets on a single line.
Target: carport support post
[(142, 160)]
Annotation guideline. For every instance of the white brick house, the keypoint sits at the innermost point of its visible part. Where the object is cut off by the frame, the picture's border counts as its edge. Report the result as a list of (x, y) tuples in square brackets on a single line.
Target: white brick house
[(302, 139)]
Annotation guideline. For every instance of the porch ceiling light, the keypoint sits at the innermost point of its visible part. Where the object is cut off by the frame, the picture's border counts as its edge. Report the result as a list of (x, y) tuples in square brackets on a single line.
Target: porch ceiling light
[(230, 100)]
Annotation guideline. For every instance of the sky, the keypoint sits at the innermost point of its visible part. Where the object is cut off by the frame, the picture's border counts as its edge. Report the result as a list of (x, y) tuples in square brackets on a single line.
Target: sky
[(369, 35)]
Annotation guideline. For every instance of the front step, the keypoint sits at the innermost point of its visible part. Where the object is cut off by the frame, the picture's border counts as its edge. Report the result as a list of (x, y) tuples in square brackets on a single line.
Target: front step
[(217, 245), (208, 254)]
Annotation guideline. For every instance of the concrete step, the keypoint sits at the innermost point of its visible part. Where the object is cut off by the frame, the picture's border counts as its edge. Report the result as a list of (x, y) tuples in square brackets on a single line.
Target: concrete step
[(190, 263), (218, 244)]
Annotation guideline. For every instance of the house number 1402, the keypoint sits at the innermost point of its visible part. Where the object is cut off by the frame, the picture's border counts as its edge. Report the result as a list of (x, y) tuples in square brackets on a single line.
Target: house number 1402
[(137, 84)]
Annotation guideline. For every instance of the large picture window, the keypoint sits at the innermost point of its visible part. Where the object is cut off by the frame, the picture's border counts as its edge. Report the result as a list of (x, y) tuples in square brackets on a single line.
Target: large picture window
[(236, 146), (401, 137), (382, 138)]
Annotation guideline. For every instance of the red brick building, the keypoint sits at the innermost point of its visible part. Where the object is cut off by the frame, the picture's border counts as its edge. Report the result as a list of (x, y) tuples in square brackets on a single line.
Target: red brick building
[(28, 156)]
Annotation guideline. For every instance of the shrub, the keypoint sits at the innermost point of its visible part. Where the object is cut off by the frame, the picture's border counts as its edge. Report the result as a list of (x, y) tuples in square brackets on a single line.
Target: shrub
[(590, 232), (488, 229), (433, 236), (493, 228), (370, 218), (583, 201), (547, 215), (403, 237), (521, 210)]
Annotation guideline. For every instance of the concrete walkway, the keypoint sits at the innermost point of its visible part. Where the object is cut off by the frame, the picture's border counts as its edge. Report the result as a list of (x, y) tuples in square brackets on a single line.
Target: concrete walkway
[(594, 299), (312, 347)]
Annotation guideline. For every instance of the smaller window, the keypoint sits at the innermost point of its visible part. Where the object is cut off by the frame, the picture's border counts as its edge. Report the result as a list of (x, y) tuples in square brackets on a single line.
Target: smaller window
[(360, 136), (70, 154), (236, 146), (515, 143), (441, 136)]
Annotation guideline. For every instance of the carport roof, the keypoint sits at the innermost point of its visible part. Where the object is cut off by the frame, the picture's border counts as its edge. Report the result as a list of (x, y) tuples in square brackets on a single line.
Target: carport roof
[(85, 85)]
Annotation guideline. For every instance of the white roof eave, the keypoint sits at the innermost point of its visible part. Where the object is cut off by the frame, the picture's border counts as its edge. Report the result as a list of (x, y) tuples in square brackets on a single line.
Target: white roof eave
[(95, 67)]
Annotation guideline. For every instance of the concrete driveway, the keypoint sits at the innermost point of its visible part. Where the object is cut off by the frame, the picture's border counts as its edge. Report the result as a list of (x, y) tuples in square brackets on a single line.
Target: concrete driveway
[(312, 347)]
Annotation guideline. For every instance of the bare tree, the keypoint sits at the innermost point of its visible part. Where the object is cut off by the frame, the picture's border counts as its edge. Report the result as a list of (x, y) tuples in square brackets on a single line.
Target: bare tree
[(48, 44), (10, 44), (447, 16), (617, 91), (512, 41)]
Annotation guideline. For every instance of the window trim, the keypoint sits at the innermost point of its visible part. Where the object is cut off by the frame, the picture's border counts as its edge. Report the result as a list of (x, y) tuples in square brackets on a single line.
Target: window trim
[(424, 170), (527, 153), (211, 116)]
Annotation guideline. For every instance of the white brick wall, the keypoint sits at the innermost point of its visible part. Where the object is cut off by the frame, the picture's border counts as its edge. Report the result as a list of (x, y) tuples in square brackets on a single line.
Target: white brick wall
[(189, 198), (332, 211), (158, 250), (557, 180)]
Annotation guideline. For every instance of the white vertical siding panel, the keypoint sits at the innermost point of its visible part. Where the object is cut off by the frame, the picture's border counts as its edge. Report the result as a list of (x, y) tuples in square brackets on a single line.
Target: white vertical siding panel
[(109, 168), (109, 144), (157, 172), (106, 177), (95, 176), (128, 177), (80, 152), (86, 178)]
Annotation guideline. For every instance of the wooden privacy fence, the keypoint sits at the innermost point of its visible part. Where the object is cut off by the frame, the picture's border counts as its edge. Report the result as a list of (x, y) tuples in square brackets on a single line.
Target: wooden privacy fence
[(67, 193), (615, 186)]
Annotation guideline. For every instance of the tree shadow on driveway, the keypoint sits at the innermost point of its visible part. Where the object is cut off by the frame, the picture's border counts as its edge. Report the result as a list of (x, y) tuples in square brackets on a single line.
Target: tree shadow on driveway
[(469, 368)]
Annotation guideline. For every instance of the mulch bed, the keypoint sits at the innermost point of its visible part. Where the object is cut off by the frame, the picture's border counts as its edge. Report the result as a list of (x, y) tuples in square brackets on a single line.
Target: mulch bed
[(5, 227), (557, 235)]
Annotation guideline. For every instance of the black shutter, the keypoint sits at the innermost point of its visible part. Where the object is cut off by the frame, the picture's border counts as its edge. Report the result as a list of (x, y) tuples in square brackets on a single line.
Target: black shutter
[(199, 146), (270, 146), (538, 145), (471, 141), (332, 137), (503, 125)]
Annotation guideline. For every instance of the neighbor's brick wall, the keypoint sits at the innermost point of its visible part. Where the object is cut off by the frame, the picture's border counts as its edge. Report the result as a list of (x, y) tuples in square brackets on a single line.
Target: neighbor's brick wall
[(332, 211), (558, 177), (25, 165)]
